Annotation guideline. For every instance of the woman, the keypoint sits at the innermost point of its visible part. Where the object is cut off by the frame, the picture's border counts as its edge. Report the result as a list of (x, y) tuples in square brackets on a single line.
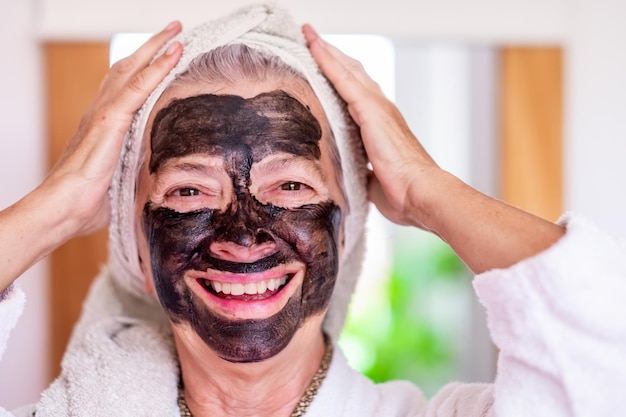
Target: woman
[(190, 242)]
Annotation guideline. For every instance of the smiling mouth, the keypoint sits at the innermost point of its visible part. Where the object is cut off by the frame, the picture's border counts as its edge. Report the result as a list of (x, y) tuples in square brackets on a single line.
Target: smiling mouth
[(250, 291)]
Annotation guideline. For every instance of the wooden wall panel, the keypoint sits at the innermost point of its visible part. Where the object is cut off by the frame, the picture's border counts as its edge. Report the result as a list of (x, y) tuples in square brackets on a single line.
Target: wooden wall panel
[(531, 121), (73, 75)]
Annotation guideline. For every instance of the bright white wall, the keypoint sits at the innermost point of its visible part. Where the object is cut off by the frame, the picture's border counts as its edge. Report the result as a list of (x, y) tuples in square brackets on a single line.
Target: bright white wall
[(528, 20), (592, 31), (595, 175), (22, 160), (448, 97)]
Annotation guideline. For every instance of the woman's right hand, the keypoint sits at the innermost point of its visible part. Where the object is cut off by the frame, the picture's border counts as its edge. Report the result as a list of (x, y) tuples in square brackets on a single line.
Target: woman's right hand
[(73, 200), (85, 169)]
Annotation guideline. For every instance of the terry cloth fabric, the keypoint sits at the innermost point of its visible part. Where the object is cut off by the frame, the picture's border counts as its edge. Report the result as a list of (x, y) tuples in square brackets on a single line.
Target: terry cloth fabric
[(11, 306), (559, 320), (271, 30), (120, 360)]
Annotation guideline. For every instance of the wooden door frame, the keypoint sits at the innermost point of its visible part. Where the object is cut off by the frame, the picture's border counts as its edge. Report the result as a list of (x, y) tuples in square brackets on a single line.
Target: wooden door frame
[(73, 73)]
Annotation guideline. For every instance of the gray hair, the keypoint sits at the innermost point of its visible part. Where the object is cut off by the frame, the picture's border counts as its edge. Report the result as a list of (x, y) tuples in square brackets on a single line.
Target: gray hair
[(233, 63)]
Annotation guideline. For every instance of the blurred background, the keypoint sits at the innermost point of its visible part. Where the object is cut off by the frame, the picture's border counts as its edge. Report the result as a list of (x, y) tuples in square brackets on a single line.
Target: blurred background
[(524, 99)]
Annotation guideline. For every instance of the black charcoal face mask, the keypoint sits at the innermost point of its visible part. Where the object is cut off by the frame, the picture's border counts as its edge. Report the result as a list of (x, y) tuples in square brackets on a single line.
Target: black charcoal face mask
[(242, 132)]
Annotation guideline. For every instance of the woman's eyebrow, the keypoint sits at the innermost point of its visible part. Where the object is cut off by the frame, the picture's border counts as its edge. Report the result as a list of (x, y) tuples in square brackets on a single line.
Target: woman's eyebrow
[(280, 164), (197, 167)]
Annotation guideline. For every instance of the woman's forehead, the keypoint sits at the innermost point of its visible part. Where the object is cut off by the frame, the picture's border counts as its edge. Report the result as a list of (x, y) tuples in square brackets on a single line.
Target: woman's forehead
[(295, 87), (225, 124)]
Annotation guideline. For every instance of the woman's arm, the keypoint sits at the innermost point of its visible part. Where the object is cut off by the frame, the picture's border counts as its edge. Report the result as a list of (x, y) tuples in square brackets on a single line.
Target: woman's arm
[(72, 200), (557, 318), (409, 188)]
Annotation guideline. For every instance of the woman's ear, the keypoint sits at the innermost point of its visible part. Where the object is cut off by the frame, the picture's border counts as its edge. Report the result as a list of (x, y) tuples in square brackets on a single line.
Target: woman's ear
[(147, 277), (149, 286)]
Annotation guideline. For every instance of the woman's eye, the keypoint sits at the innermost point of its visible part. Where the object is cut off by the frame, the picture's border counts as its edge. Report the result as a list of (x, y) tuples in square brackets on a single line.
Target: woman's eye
[(188, 192), (292, 186)]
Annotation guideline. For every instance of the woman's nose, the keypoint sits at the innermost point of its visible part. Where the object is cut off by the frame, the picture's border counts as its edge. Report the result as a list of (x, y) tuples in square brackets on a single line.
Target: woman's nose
[(241, 233), (243, 250)]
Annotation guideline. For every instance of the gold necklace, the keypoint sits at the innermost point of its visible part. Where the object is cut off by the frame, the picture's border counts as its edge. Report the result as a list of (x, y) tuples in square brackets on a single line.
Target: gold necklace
[(305, 400)]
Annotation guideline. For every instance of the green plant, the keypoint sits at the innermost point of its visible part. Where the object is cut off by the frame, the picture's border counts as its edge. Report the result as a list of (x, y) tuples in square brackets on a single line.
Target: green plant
[(403, 328)]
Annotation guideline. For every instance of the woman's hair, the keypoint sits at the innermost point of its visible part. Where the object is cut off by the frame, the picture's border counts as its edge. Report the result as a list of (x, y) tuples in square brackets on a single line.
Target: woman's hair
[(234, 63)]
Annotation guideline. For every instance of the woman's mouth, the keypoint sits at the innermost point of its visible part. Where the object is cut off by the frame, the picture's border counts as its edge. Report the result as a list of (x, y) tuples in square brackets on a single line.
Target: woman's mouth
[(245, 291)]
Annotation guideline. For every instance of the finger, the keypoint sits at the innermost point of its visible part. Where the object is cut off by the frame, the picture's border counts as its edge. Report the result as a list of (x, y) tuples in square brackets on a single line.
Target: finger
[(146, 52), (143, 83), (336, 65), (113, 118), (347, 76), (126, 68)]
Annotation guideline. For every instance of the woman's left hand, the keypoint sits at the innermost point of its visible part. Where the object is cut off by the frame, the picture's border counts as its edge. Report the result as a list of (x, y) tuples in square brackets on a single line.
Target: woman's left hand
[(409, 188), (400, 163)]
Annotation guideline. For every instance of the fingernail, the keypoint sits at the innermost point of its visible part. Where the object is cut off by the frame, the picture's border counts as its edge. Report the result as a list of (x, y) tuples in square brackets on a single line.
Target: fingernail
[(317, 35), (320, 42), (172, 48), (173, 25)]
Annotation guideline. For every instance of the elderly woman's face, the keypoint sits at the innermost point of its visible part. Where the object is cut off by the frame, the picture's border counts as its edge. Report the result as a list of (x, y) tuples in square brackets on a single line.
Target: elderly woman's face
[(241, 213)]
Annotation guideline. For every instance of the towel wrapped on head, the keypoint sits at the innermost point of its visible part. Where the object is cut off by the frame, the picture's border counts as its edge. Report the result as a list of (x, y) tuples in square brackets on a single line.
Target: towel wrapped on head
[(271, 31)]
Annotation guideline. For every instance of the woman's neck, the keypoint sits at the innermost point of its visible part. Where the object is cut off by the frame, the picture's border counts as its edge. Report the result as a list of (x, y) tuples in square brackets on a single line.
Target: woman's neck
[(218, 388)]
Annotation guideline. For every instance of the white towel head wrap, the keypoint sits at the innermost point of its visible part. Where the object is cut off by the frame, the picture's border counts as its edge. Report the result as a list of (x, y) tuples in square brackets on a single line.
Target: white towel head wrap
[(272, 31)]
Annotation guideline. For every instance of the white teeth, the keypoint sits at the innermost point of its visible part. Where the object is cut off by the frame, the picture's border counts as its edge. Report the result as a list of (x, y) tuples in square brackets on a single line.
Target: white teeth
[(282, 281), (236, 289), (251, 288)]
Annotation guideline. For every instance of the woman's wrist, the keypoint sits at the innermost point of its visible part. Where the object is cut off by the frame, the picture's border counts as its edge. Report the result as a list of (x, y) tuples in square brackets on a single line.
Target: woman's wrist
[(434, 189), (32, 228), (45, 210), (486, 233)]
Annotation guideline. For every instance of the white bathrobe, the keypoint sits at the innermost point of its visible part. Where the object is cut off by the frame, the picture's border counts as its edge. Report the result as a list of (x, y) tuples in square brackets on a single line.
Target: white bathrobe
[(558, 318)]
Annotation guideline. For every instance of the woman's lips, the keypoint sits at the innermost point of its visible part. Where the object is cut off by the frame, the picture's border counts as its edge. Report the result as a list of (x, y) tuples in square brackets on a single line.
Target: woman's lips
[(255, 295), (249, 291)]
